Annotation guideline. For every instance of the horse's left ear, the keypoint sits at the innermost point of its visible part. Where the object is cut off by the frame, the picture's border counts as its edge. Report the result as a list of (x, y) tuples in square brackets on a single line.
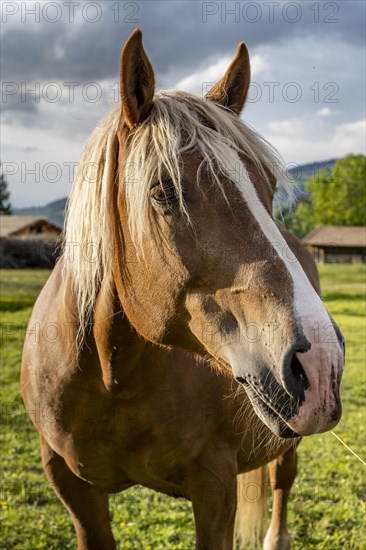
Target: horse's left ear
[(231, 91), (137, 81)]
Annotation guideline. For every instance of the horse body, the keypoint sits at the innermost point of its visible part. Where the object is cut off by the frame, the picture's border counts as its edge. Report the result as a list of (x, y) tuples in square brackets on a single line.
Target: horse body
[(117, 438), (129, 377), (174, 422)]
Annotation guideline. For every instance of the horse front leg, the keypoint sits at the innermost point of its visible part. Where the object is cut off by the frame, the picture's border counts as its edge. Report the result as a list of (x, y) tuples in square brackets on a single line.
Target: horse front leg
[(282, 473), (214, 497), (87, 505)]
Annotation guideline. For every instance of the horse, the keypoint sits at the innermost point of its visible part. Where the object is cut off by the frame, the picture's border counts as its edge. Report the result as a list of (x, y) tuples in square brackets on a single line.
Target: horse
[(180, 341)]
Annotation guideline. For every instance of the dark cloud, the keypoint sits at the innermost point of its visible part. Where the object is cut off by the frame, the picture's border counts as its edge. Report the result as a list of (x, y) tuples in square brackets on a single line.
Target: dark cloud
[(178, 35), (17, 103), (322, 51)]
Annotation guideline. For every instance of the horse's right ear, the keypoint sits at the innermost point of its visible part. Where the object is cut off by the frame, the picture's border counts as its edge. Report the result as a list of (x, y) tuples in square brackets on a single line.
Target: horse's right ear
[(137, 81)]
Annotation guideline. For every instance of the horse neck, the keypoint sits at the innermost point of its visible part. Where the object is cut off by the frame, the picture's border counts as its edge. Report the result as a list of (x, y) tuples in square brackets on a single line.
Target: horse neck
[(118, 345)]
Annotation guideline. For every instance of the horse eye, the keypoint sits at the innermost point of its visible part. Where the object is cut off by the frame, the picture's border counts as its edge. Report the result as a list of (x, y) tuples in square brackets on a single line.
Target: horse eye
[(163, 193)]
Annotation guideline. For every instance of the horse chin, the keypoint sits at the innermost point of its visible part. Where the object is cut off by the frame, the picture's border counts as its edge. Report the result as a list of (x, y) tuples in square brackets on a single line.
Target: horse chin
[(268, 416)]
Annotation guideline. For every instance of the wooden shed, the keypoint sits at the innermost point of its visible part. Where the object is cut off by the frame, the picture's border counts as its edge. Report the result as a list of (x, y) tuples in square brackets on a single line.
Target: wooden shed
[(337, 244), (28, 242), (28, 227)]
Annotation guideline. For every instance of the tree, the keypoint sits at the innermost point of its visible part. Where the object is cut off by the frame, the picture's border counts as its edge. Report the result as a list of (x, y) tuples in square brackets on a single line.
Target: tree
[(299, 218), (336, 197), (5, 207)]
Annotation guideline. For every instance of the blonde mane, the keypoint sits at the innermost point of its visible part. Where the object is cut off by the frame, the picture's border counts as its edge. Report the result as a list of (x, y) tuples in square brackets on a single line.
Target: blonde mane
[(179, 122)]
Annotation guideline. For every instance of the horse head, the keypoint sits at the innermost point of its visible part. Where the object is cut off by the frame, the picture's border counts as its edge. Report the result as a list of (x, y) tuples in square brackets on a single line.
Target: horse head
[(198, 261)]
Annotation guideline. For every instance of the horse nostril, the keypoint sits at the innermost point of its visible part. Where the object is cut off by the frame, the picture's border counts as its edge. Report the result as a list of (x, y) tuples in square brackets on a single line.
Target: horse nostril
[(344, 346), (299, 373)]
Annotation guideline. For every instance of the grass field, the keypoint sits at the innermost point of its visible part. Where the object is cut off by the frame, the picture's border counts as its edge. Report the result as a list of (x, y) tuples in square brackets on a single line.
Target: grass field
[(327, 509)]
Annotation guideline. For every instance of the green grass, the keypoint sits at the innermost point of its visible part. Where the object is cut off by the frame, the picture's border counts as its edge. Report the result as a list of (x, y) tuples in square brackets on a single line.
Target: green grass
[(19, 288), (327, 507)]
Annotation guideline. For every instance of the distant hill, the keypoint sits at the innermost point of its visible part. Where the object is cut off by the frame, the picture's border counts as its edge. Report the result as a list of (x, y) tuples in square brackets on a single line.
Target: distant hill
[(304, 172), (298, 176), (296, 180), (54, 211)]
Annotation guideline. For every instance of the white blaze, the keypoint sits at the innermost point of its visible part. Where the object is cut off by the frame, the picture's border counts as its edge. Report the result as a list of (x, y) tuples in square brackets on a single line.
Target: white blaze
[(307, 304), (324, 361)]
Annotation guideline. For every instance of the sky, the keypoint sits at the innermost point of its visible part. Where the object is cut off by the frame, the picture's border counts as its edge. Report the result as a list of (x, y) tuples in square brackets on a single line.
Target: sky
[(60, 75)]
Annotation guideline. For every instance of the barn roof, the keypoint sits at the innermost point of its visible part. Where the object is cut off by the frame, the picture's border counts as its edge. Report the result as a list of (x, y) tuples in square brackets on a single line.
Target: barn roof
[(337, 236), (12, 224)]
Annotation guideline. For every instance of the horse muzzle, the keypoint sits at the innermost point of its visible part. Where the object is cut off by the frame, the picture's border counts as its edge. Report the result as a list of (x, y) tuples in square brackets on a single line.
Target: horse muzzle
[(301, 397)]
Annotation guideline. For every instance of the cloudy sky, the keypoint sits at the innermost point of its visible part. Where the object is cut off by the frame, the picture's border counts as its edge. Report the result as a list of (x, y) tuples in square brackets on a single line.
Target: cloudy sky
[(60, 63)]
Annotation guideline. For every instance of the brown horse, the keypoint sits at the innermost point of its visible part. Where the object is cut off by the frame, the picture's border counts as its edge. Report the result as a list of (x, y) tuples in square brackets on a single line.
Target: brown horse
[(179, 342)]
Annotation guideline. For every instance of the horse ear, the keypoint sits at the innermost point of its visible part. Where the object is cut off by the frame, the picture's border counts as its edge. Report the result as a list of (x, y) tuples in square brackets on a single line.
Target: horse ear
[(231, 91), (137, 81)]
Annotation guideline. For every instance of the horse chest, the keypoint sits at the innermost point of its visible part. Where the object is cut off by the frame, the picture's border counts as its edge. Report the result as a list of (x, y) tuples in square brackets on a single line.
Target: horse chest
[(113, 443)]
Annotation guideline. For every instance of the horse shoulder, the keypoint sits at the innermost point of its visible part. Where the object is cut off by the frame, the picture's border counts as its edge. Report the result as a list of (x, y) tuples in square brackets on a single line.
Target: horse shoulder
[(49, 355)]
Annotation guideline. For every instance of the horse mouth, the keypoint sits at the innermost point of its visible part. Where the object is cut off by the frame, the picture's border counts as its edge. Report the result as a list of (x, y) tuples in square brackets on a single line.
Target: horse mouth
[(267, 413)]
